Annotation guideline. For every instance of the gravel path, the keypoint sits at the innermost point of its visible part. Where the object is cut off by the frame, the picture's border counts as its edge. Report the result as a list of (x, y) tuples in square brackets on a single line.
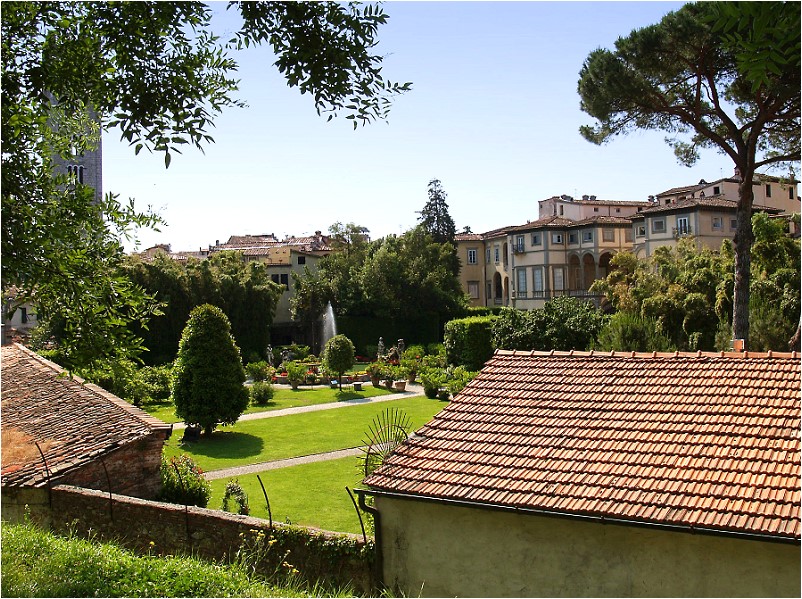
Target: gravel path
[(412, 390)]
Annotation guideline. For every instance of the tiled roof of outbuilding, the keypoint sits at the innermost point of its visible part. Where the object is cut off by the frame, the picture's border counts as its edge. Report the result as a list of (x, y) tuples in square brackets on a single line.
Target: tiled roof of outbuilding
[(73, 422), (703, 441)]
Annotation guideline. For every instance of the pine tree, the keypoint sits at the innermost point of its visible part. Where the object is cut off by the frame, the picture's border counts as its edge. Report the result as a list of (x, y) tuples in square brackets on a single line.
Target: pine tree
[(435, 217)]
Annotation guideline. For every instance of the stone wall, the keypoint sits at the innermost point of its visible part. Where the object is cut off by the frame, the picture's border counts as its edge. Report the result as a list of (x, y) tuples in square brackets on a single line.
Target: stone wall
[(169, 529)]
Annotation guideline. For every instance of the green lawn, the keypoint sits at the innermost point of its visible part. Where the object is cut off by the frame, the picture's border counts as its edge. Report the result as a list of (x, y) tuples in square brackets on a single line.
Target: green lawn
[(283, 398), (269, 439), (320, 500)]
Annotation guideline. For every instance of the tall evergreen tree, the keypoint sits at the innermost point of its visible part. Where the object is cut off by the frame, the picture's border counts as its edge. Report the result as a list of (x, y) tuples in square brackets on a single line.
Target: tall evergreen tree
[(435, 217)]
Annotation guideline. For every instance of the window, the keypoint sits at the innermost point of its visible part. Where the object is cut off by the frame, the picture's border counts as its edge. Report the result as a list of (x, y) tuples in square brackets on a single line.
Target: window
[(301, 259), (716, 190), (587, 236), (718, 223), (24, 315), (608, 234), (519, 244), (733, 224), (628, 234), (285, 280), (572, 238), (521, 282), (473, 289), (274, 278), (595, 209), (618, 209), (640, 231), (538, 280), (472, 259), (535, 238), (487, 255), (559, 279), (557, 238), (496, 254), (683, 228), (790, 193), (488, 289), (561, 210), (659, 225), (768, 190)]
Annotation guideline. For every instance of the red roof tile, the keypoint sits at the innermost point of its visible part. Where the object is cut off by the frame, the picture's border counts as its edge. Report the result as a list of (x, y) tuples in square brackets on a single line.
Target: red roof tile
[(694, 440), (73, 422)]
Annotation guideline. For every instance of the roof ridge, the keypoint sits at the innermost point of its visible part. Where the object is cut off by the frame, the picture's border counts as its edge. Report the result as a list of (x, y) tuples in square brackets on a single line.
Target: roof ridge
[(795, 355)]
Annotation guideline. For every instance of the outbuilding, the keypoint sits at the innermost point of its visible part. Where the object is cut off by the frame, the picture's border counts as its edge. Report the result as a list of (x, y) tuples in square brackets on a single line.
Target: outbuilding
[(59, 429), (587, 474)]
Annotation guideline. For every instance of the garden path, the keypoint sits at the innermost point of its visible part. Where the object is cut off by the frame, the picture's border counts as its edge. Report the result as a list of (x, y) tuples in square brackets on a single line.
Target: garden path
[(412, 390)]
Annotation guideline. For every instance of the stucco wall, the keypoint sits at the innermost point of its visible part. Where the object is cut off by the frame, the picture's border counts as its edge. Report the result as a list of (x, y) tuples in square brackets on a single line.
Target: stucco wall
[(444, 551)]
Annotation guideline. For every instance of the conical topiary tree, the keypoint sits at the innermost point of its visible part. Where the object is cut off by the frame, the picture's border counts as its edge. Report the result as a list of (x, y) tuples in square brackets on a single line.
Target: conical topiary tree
[(208, 375)]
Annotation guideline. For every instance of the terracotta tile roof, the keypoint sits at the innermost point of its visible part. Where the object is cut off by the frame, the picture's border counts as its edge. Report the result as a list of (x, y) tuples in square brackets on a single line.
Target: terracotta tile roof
[(602, 220), (545, 222), (73, 422), (468, 237), (715, 202), (709, 441)]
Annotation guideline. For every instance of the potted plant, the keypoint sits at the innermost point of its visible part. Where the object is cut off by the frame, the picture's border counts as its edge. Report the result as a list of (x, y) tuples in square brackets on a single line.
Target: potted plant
[(376, 372), (296, 374), (399, 376)]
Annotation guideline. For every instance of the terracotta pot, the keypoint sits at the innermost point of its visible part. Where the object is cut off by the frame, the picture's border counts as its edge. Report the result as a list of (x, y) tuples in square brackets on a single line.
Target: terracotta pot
[(400, 385)]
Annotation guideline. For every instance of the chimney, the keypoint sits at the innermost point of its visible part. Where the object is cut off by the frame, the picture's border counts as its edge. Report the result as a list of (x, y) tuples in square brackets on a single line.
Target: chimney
[(738, 345), (585, 197), (592, 197)]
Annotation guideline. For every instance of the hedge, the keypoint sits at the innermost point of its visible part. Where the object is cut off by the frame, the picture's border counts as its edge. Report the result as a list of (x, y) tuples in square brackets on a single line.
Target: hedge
[(468, 341)]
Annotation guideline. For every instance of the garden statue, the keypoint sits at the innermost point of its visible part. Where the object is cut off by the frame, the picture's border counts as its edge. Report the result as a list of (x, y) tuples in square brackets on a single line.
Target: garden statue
[(380, 349), (269, 352), (401, 347)]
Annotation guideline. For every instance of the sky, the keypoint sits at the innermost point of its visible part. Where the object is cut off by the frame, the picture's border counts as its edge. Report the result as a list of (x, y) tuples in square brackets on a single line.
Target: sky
[(493, 114)]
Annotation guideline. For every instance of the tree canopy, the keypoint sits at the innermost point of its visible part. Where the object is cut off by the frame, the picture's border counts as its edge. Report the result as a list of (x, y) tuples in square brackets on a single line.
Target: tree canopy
[(156, 72), (711, 75)]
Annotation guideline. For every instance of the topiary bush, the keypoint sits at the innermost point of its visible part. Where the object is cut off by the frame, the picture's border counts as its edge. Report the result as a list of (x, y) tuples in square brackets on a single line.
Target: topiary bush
[(208, 377), (469, 341), (183, 482), (338, 356), (262, 393)]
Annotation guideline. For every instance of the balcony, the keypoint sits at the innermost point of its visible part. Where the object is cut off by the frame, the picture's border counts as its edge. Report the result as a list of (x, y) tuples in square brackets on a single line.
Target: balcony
[(682, 231)]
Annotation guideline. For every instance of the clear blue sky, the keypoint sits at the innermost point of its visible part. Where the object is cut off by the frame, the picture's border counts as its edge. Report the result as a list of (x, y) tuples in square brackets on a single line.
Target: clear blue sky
[(493, 113)]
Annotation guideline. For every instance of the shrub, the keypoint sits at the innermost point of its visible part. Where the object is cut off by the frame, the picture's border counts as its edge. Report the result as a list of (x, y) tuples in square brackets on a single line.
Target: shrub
[(208, 375), (183, 482), (157, 379), (261, 393), (432, 379), (259, 371), (415, 351), (234, 492), (435, 349), (469, 341), (629, 332), (458, 378)]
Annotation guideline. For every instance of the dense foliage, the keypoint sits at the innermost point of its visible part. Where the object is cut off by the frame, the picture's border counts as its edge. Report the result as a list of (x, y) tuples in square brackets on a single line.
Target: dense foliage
[(243, 290), (208, 375), (722, 75), (156, 72), (564, 323), (687, 291), (469, 341), (408, 277)]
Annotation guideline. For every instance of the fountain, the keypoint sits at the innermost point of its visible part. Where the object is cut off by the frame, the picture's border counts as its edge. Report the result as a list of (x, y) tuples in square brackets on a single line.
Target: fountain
[(328, 327)]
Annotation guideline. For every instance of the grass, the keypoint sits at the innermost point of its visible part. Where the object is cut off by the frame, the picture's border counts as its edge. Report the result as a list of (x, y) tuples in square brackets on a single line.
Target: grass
[(320, 500), (36, 563), (283, 398), (269, 439)]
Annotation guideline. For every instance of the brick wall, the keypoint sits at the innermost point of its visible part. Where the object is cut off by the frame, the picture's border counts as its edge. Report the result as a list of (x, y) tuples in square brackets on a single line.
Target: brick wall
[(336, 560), (132, 470)]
